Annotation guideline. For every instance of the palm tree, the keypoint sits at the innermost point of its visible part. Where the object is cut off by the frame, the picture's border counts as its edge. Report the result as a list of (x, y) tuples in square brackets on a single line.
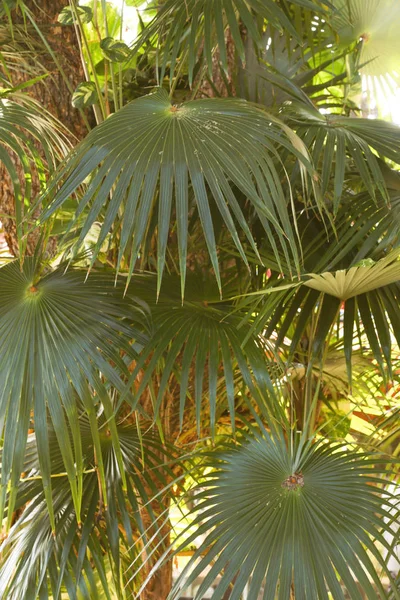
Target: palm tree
[(32, 58), (225, 280)]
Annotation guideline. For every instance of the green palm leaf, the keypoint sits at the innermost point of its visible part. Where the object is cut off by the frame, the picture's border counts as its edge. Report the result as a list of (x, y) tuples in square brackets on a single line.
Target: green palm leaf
[(276, 515), (286, 69), (342, 139), (197, 27), (375, 23), (209, 145), (37, 559), (355, 284), (365, 319), (57, 335), (199, 344), (32, 144)]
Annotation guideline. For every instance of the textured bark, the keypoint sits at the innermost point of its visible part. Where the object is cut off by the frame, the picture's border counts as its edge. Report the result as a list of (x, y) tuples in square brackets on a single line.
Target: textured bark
[(160, 584), (221, 86), (52, 93)]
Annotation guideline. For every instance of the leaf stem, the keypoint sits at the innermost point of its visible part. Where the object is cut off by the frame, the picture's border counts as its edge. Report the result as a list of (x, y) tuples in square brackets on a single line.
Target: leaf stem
[(100, 115), (111, 66)]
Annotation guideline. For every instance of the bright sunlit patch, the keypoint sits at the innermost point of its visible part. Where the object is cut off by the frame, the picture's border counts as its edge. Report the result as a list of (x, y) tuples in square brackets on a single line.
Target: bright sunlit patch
[(130, 17), (375, 24), (381, 97)]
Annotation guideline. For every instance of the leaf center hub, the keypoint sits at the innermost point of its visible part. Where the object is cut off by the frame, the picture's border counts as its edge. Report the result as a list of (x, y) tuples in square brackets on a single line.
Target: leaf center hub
[(294, 482)]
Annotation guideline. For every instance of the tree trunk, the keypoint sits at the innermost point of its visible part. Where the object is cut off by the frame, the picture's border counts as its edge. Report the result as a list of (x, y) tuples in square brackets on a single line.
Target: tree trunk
[(160, 584), (53, 93), (221, 85)]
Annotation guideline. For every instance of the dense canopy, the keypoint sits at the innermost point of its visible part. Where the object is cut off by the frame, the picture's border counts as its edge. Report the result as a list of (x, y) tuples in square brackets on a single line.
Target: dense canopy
[(199, 299)]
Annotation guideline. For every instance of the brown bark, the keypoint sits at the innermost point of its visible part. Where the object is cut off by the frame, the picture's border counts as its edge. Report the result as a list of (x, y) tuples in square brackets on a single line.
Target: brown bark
[(53, 93), (160, 584), (221, 85)]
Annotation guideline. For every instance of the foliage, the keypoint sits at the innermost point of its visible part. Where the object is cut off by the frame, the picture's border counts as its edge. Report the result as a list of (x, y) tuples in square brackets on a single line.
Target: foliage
[(274, 515), (216, 328), (54, 556), (189, 145)]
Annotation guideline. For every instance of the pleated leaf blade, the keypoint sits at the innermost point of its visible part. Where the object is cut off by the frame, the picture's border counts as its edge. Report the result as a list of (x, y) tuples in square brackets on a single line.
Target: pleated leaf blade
[(275, 515), (207, 145), (58, 336)]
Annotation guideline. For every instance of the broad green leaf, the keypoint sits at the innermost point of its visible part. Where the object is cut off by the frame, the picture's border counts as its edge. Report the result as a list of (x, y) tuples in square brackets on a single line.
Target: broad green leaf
[(84, 95), (275, 514), (114, 50), (66, 16), (152, 149)]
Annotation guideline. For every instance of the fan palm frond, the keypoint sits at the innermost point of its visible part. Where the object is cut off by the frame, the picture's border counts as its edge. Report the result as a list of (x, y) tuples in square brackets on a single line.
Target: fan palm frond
[(209, 145), (358, 280), (33, 142), (199, 343), (197, 27), (277, 514), (58, 336), (375, 24), (343, 292), (88, 559), (342, 139), (368, 319), (286, 69)]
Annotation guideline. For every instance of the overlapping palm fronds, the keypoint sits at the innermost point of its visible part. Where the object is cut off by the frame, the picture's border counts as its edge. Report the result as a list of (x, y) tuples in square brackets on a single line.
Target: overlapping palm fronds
[(282, 516), (151, 152), (58, 336), (39, 557)]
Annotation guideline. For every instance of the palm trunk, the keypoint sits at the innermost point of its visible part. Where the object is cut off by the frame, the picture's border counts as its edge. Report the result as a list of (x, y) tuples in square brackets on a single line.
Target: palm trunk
[(221, 85), (54, 93), (160, 584)]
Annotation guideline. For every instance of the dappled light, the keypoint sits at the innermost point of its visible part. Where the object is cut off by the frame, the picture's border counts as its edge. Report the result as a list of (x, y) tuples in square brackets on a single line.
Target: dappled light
[(199, 300)]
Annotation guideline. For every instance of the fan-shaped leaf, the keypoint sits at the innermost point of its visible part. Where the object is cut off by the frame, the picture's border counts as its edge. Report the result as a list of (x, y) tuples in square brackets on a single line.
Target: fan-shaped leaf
[(339, 140), (357, 280), (57, 334), (24, 127), (368, 318), (34, 560), (197, 27), (276, 516), (341, 271), (200, 343), (211, 144), (375, 23)]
